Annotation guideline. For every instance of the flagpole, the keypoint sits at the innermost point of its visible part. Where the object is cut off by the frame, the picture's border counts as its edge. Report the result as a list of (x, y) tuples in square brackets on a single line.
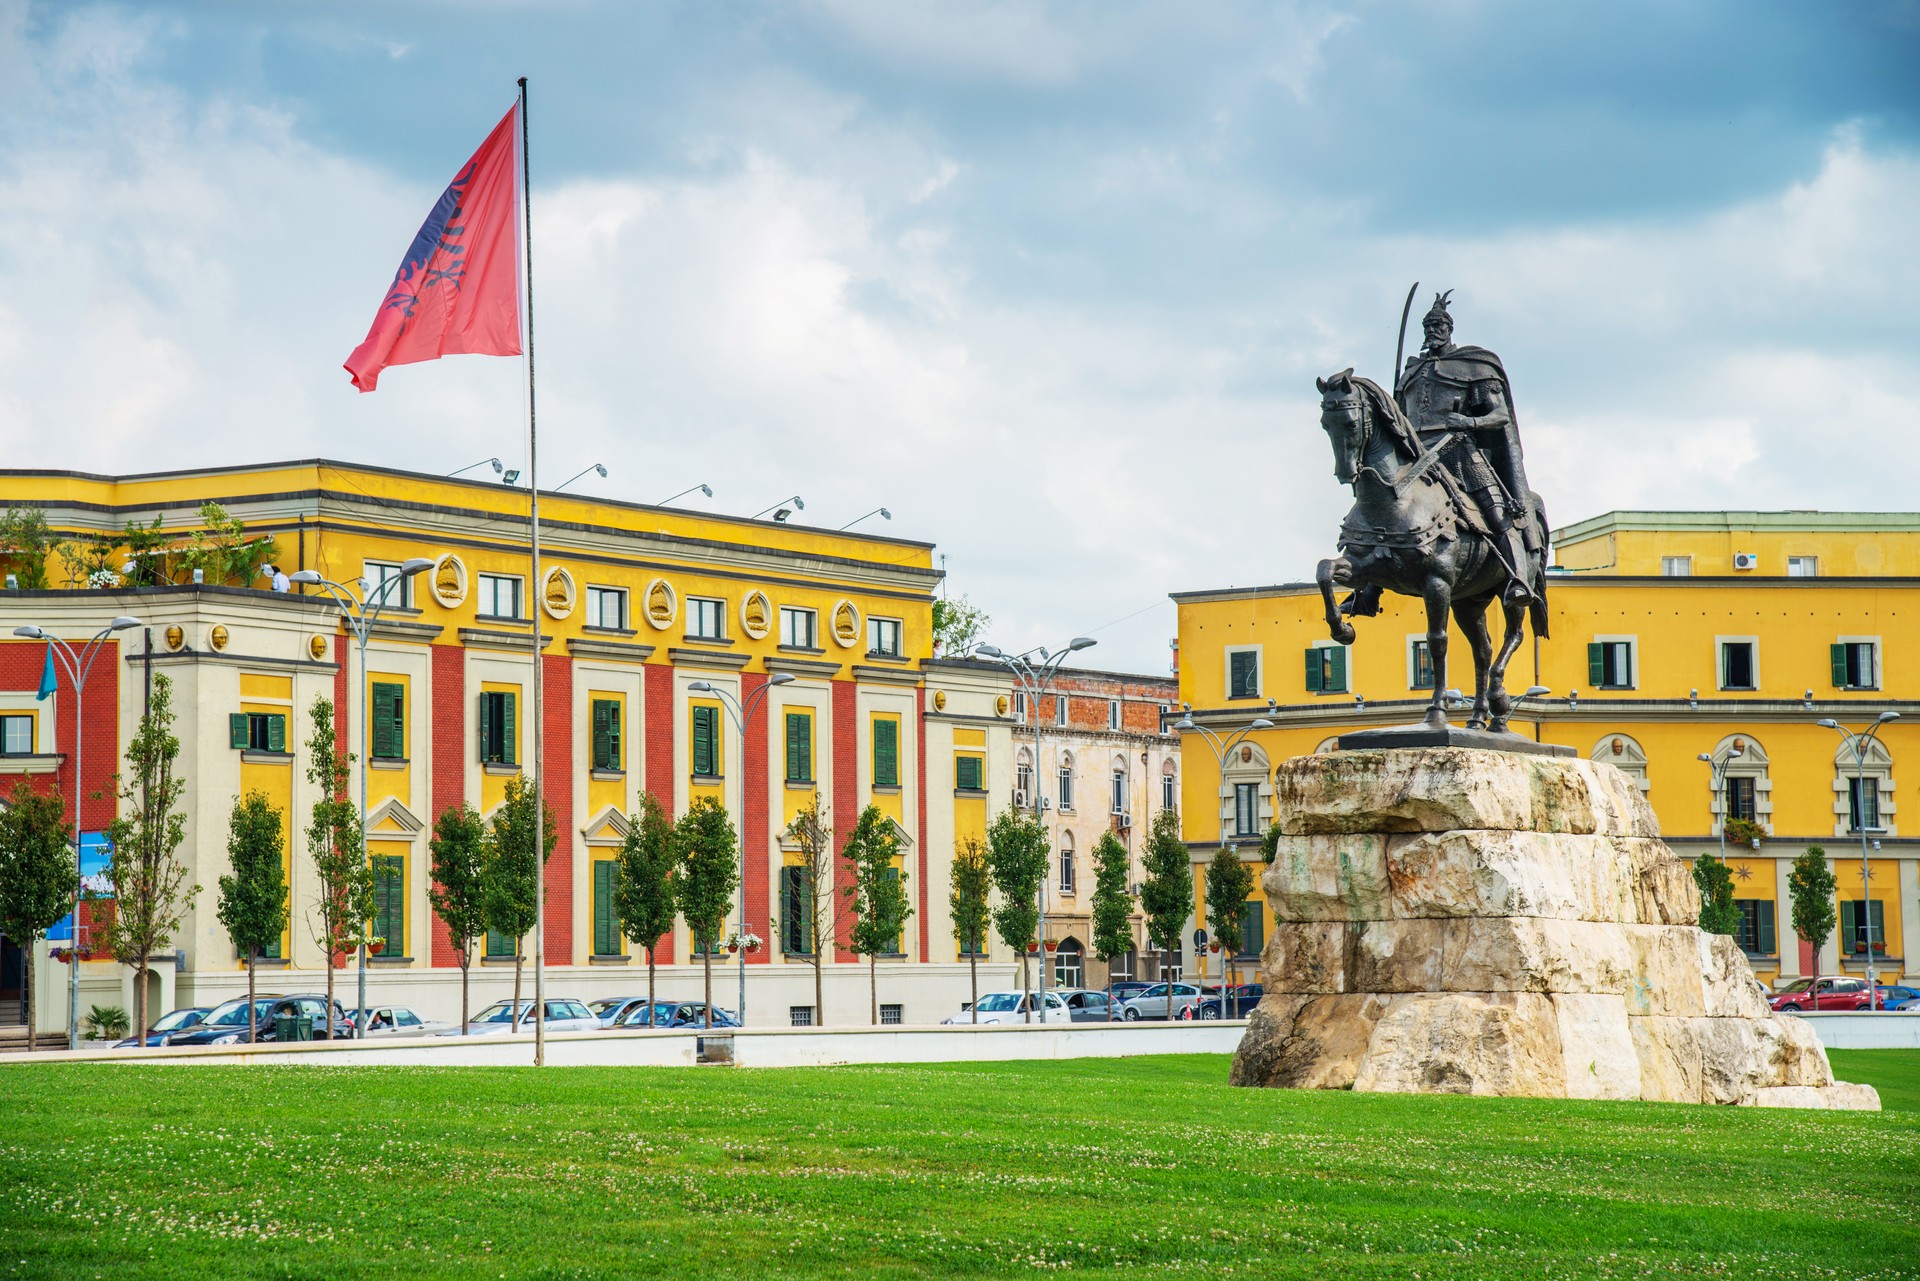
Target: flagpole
[(535, 597)]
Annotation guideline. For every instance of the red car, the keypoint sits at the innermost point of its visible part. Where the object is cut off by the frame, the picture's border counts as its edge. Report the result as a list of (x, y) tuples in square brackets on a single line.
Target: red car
[(1833, 994)]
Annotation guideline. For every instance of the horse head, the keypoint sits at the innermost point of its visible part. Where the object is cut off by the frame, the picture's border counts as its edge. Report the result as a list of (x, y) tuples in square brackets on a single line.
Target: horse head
[(1343, 413)]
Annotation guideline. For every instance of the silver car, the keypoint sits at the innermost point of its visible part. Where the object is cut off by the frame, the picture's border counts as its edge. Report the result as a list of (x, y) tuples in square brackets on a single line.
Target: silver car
[(612, 1011), (394, 1020), (1152, 1003), (1012, 1007), (563, 1015)]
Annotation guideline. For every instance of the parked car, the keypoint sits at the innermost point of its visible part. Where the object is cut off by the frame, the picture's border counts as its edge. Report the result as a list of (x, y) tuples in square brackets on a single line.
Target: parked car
[(1894, 995), (612, 1011), (563, 1015), (1012, 1007), (1127, 989), (1831, 994), (1908, 1007), (395, 1021), (679, 1014), (1086, 1005), (168, 1023), (1244, 996), (1152, 1003), (227, 1023)]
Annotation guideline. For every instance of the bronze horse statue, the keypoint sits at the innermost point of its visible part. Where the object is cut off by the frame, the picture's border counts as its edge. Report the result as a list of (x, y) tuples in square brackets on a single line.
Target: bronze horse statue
[(1411, 532)]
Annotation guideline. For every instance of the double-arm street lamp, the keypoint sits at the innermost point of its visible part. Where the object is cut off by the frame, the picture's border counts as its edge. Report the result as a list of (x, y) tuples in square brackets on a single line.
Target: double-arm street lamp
[(1858, 742), (1221, 748), (360, 613), (77, 666), (1718, 764), (1034, 671), (742, 714)]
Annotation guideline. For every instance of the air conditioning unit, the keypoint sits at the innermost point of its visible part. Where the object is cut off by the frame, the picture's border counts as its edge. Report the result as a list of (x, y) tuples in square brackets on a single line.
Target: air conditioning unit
[(1123, 821), (1020, 799), (1746, 560)]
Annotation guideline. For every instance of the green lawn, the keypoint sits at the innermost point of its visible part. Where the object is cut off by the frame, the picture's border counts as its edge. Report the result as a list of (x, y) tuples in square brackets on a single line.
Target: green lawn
[(1115, 1167)]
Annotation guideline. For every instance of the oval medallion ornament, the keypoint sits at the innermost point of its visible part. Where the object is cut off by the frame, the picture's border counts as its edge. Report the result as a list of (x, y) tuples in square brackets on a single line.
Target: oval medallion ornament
[(661, 605), (558, 597), (218, 636), (846, 625), (1001, 704), (317, 646), (176, 637), (939, 700), (756, 615), (449, 581)]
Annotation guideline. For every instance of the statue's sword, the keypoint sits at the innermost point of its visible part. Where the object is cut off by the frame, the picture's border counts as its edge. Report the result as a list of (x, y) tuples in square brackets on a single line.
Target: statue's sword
[(1400, 348)]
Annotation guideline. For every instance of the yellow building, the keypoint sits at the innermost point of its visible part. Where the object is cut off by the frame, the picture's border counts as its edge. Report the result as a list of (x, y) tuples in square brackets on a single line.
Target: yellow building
[(1674, 634)]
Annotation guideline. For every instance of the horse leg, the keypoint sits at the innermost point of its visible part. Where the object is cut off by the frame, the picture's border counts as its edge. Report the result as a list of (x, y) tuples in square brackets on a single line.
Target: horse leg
[(1472, 616), (1439, 598), (1330, 571), (1500, 701)]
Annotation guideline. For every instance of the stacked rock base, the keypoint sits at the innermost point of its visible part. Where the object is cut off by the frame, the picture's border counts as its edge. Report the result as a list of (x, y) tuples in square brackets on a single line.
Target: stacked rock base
[(1478, 922)]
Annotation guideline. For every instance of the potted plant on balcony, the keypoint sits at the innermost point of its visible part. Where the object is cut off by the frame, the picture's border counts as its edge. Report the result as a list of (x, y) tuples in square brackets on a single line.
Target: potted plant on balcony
[(1744, 831)]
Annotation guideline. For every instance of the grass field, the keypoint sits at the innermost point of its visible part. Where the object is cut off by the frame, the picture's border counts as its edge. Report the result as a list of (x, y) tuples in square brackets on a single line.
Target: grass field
[(1095, 1167)]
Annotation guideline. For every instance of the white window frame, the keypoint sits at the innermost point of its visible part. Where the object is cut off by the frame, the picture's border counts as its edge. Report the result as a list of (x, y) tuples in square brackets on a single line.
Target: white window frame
[(1879, 773), (1719, 668), (1633, 659), (697, 607), (878, 630), (1879, 672), (1676, 567), (1069, 869), (1803, 567), (1414, 641), (1117, 794), (1060, 711), (32, 725), (1169, 788), (1020, 706), (1063, 784), (1114, 721), (1259, 671), (597, 599), (376, 572), (487, 587), (792, 636)]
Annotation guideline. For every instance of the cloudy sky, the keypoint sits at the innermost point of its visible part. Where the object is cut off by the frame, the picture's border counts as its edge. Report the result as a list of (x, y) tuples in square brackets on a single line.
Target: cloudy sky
[(1050, 281)]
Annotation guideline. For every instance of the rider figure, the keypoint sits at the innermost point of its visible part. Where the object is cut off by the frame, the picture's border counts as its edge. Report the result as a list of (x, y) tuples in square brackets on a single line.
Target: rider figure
[(1459, 401)]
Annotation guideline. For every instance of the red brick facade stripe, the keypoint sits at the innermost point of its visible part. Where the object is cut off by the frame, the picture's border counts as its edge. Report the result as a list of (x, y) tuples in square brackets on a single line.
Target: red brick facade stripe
[(342, 736), (447, 772), (926, 858), (754, 824), (20, 666), (846, 789), (556, 711), (657, 719)]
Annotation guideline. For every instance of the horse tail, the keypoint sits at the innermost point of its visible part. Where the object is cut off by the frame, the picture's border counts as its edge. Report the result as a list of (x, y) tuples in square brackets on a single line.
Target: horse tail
[(1537, 611)]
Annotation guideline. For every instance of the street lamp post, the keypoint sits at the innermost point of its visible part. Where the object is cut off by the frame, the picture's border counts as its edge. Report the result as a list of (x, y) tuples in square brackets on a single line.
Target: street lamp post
[(742, 714), (1858, 742), (360, 613), (1221, 749), (1035, 679), (77, 666), (1718, 765)]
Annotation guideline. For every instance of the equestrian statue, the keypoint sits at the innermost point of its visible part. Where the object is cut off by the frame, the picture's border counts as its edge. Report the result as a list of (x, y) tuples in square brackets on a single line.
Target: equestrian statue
[(1442, 511)]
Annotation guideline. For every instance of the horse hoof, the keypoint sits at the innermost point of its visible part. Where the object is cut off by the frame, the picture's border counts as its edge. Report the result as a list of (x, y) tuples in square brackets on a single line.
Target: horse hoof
[(1344, 633), (1476, 723), (1436, 718), (1498, 725)]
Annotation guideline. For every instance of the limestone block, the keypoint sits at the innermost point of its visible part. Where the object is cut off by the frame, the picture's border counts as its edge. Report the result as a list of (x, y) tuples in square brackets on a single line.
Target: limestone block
[(1324, 1040), (1664, 891), (1268, 1027), (1395, 956), (1731, 1068), (1841, 1095), (1670, 1058), (1466, 1043), (1328, 878), (1441, 789), (1530, 954), (1851, 1096), (1305, 957), (1597, 1046), (1728, 988), (1788, 1052), (1494, 873), (1665, 979)]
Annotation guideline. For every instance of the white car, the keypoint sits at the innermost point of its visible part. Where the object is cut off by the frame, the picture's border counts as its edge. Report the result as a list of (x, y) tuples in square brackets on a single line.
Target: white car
[(563, 1015), (395, 1020), (1012, 1007), (1152, 1003)]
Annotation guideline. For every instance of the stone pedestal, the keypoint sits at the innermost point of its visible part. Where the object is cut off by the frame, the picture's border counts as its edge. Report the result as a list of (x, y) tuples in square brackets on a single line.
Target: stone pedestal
[(1477, 922)]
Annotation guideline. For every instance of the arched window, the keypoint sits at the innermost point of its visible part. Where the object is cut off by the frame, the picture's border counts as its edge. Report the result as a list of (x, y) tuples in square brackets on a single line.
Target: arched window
[(1066, 781), (1246, 786), (1070, 964), (1746, 792), (1119, 797), (1327, 745), (1169, 786), (1023, 779), (1863, 791), (1625, 755), (1068, 877)]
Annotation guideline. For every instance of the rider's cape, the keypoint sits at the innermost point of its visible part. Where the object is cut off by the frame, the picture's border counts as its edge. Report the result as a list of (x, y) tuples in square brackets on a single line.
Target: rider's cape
[(1466, 365)]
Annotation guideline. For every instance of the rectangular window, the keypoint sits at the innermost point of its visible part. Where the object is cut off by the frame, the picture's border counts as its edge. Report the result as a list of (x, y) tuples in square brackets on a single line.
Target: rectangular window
[(1863, 804), (499, 596), (1243, 674), (1066, 871), (1676, 566), (799, 628), (1737, 667), (892, 1014), (1755, 934), (1803, 567), (1113, 713), (1246, 809), (1610, 664), (1059, 709), (1253, 935), (1066, 787), (1327, 669), (796, 911), (1422, 666), (1852, 941), (800, 1015), (387, 586), (706, 618), (974, 945), (499, 944), (1854, 665), (799, 747), (1740, 792), (886, 752), (1020, 706), (1023, 780), (706, 742), (606, 916), (607, 607), (390, 903), (966, 774), (1168, 786), (257, 731), (16, 735), (389, 728), (1117, 793), (606, 735), (883, 637), (499, 727)]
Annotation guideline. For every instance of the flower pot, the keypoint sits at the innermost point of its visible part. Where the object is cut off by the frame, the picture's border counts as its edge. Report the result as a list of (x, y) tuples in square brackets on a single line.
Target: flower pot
[(732, 948), (376, 947), (1052, 946), (1033, 947), (1213, 947)]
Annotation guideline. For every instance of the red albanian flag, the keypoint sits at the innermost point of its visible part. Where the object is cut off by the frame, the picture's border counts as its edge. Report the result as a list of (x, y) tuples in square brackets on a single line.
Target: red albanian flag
[(458, 289)]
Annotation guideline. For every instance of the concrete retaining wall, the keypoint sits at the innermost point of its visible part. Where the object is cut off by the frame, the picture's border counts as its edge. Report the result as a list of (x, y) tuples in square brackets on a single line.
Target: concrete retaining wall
[(1863, 1031)]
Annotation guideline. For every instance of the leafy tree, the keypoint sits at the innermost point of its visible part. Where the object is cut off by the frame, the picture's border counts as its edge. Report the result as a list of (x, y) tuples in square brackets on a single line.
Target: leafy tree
[(969, 904), (1017, 853), (458, 892), (222, 550), (1811, 885), (1229, 883), (709, 873), (37, 878), (510, 870), (25, 543), (253, 900), (811, 831), (150, 882), (1112, 905), (877, 896), (649, 882), (1166, 895), (1718, 915), (1270, 845), (147, 553), (957, 625), (335, 839)]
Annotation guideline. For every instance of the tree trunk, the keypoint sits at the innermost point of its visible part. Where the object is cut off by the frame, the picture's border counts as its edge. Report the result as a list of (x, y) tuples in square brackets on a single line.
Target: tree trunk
[(513, 1024), (27, 1012), (873, 979), (973, 976), (466, 964), (253, 1028), (332, 952), (706, 964), (1109, 991), (139, 992), (1026, 991), (819, 997), (649, 985)]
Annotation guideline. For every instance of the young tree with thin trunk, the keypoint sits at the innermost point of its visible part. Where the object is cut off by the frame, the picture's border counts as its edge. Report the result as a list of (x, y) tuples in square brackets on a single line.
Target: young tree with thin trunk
[(1718, 914), (151, 884), (1229, 882), (970, 905), (253, 900), (709, 873), (458, 891), (1811, 885), (37, 879), (1017, 853), (1112, 905), (811, 831), (878, 895), (1166, 895), (510, 869), (343, 875), (649, 884)]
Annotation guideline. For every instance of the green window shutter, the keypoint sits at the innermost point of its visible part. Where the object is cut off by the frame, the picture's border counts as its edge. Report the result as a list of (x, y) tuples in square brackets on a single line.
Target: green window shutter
[(966, 773), (886, 753), (277, 732), (799, 747), (1596, 664), (498, 944), (390, 902), (237, 730), (486, 733), (386, 727), (606, 931), (1337, 679), (1314, 670), (1837, 656), (1766, 927), (509, 736), (703, 734), (615, 758), (602, 740)]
